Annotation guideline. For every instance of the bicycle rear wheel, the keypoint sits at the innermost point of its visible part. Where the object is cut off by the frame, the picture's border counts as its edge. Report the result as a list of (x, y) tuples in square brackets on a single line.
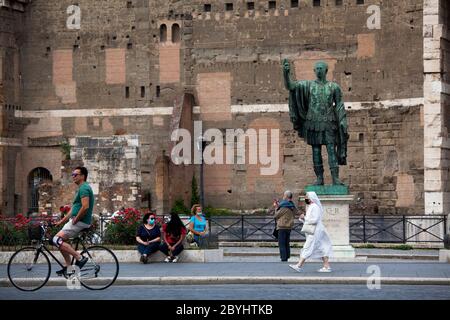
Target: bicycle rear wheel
[(28, 269), (101, 270)]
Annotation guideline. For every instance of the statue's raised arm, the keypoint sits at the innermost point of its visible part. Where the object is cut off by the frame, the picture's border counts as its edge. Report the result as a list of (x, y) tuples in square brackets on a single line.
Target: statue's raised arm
[(288, 83)]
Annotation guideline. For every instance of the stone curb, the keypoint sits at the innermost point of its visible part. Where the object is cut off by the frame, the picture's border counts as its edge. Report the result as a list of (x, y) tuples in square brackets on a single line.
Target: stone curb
[(132, 256), (299, 244), (360, 256), (126, 281)]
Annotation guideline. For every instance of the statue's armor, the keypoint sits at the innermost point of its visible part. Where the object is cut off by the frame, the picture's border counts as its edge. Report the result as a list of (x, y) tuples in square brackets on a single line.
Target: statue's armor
[(321, 115), (321, 123), (318, 115)]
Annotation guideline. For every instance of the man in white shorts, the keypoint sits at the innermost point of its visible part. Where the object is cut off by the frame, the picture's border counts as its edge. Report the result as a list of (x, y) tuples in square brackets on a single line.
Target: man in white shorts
[(78, 219)]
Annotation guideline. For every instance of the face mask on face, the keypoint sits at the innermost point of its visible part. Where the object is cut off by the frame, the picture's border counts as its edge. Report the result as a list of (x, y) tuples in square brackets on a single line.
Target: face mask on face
[(308, 201), (199, 213), (151, 221)]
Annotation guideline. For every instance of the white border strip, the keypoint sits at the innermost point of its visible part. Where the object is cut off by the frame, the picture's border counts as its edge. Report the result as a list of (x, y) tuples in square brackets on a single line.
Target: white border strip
[(249, 108), (386, 104), (10, 142), (77, 113)]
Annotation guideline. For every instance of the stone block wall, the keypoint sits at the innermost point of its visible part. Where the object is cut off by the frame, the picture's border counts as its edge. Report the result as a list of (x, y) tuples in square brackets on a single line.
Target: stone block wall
[(127, 68), (11, 19), (114, 170), (436, 117)]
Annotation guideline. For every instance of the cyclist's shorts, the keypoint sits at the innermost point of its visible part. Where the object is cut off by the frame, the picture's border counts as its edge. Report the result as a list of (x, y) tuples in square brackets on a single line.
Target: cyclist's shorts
[(71, 231)]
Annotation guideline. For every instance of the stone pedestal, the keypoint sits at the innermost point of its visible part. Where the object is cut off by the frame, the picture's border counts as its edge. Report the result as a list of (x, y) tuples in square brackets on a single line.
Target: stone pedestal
[(336, 221), (444, 255)]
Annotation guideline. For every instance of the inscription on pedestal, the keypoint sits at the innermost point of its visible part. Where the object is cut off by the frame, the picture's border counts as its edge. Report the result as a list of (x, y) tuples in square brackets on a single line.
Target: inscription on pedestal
[(335, 219)]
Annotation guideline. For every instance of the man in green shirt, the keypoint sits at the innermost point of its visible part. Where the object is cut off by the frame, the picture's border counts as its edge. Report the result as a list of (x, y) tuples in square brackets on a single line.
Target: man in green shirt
[(78, 219)]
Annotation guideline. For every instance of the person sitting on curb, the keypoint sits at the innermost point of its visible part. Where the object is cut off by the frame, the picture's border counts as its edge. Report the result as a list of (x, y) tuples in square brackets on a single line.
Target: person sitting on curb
[(174, 233), (198, 226), (148, 237)]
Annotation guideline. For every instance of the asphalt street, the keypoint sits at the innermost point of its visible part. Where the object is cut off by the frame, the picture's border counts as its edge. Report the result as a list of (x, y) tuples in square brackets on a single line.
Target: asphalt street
[(236, 292), (344, 269)]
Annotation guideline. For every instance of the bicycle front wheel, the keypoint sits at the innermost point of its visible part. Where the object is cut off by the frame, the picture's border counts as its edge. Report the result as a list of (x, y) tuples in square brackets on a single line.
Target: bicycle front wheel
[(101, 270), (29, 269)]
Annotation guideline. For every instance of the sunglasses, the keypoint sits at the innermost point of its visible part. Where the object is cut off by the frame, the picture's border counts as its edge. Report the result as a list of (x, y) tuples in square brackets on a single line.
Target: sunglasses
[(75, 174)]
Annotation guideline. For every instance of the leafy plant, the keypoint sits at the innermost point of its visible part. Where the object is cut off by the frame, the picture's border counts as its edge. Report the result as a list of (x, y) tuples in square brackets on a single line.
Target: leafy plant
[(195, 198), (210, 211), (14, 231), (65, 149), (123, 226), (402, 247), (180, 208), (367, 246)]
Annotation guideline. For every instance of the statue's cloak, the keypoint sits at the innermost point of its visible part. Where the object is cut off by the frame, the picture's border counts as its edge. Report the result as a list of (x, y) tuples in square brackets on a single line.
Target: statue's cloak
[(299, 101)]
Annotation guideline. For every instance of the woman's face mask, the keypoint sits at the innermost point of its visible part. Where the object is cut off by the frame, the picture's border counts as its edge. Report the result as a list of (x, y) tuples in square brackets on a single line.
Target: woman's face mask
[(151, 221)]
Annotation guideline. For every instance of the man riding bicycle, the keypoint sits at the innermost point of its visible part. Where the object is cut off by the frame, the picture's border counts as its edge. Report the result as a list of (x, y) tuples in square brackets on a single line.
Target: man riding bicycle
[(78, 219)]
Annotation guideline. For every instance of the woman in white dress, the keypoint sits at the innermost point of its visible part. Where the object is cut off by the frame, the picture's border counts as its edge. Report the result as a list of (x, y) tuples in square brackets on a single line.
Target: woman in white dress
[(317, 245)]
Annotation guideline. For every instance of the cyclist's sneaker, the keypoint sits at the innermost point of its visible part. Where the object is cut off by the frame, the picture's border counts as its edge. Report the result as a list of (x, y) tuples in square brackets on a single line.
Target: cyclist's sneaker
[(80, 263), (62, 272)]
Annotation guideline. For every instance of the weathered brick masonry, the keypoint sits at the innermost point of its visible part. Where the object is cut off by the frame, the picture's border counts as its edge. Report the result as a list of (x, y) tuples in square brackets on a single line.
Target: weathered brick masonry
[(144, 68)]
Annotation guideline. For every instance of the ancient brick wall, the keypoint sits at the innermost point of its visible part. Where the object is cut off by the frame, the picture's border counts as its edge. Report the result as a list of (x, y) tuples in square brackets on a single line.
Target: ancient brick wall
[(10, 101), (130, 62), (370, 64), (384, 170), (236, 55)]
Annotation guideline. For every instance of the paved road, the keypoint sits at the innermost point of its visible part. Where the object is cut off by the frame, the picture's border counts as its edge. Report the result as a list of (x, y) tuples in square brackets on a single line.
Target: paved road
[(387, 269), (237, 292)]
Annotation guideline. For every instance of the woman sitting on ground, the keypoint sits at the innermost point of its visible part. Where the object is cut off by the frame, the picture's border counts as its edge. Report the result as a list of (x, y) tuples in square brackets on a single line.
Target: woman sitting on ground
[(198, 226), (148, 237), (174, 233)]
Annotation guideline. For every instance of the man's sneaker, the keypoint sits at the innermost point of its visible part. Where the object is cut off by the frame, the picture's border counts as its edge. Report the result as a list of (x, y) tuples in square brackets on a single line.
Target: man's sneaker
[(324, 270), (144, 259), (168, 259), (175, 259), (296, 267), (61, 272), (80, 263)]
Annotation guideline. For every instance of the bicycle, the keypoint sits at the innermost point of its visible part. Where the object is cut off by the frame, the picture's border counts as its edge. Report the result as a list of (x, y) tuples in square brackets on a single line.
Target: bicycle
[(29, 268)]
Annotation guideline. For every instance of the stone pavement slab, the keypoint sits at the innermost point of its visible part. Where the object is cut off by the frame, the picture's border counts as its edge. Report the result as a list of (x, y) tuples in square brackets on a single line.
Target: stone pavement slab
[(276, 269)]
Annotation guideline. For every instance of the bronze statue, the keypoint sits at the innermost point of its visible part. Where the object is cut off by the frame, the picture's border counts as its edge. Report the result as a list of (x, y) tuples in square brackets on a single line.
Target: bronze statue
[(318, 115)]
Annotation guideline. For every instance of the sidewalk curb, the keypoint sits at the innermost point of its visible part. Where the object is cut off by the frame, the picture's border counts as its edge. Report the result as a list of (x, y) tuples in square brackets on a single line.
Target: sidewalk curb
[(356, 245), (358, 256), (126, 281)]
